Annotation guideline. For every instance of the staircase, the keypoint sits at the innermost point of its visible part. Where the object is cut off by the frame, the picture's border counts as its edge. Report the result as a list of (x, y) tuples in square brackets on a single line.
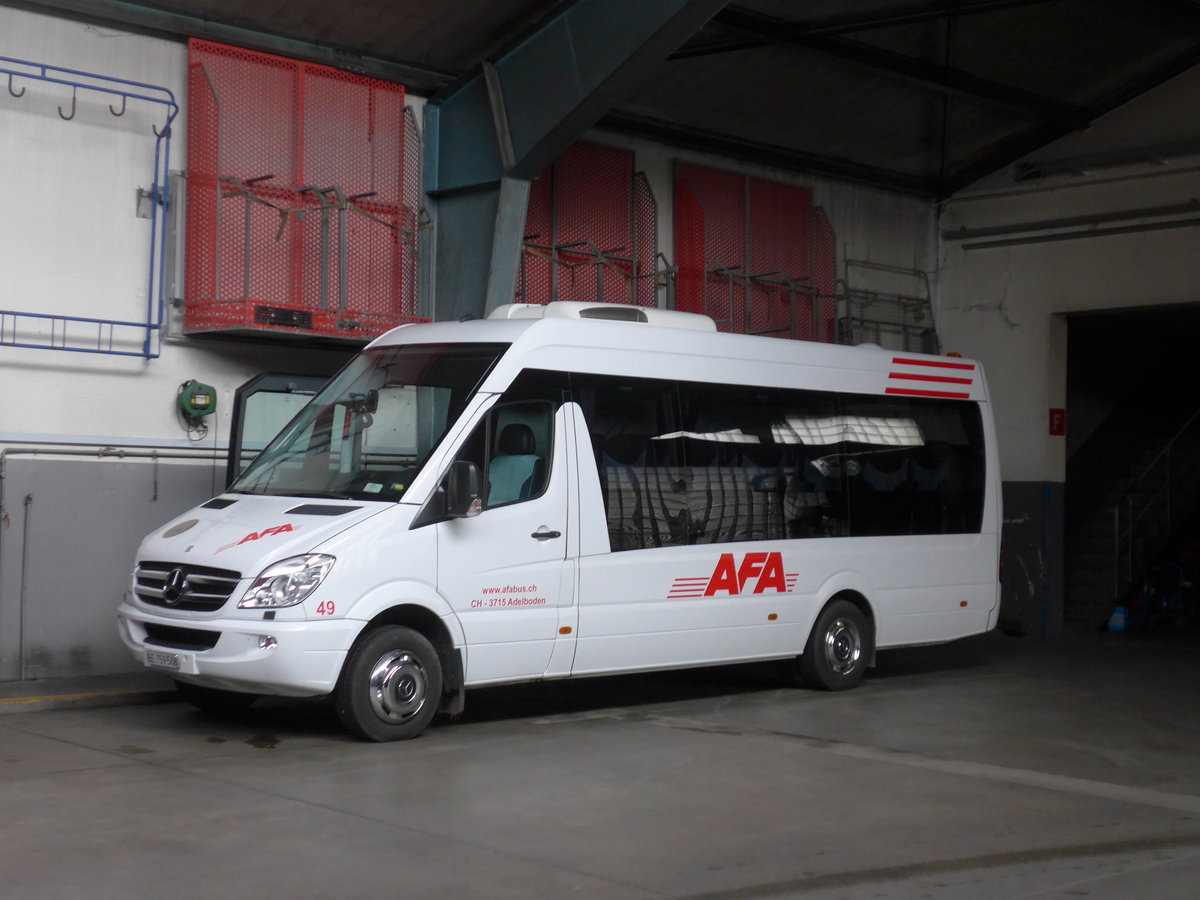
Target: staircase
[(1130, 490)]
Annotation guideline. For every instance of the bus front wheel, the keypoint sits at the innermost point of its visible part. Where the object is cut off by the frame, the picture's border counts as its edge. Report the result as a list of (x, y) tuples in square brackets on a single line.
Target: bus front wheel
[(390, 686), (838, 648)]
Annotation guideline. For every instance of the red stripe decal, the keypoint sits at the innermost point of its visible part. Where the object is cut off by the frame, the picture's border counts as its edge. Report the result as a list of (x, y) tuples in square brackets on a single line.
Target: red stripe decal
[(915, 393), (941, 379), (936, 364)]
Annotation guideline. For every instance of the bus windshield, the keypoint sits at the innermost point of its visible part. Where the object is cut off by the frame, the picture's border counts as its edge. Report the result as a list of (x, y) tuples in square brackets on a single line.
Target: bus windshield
[(367, 433)]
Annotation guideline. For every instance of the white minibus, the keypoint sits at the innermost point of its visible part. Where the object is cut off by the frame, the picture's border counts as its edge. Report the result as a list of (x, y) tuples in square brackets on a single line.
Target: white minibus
[(581, 489)]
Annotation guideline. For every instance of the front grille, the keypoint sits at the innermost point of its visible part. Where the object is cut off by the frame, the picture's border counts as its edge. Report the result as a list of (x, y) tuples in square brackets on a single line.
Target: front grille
[(190, 588), (180, 638)]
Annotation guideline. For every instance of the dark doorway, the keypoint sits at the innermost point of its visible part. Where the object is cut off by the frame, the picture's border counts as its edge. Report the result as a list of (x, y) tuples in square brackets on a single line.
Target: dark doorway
[(1146, 355), (1129, 452)]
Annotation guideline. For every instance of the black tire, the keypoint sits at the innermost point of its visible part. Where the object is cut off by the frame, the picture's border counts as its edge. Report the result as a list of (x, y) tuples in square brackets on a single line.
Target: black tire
[(214, 700), (838, 648), (391, 685)]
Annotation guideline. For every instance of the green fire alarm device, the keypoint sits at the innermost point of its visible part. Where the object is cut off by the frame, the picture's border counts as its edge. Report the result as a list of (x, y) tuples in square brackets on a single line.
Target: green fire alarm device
[(197, 400)]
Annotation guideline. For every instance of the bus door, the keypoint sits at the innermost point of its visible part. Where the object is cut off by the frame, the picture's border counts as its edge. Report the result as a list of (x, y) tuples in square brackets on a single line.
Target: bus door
[(261, 407), (507, 571)]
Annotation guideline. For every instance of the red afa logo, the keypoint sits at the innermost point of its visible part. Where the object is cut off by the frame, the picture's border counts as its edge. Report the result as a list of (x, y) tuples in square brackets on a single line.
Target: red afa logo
[(756, 573), (767, 568), (258, 536)]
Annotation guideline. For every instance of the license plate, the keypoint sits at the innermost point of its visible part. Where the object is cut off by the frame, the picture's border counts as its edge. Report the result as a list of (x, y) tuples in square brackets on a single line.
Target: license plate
[(159, 660)]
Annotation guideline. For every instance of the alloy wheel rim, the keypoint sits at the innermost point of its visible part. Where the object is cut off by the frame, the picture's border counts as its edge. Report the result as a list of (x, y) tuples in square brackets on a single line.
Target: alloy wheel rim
[(843, 646), (398, 687)]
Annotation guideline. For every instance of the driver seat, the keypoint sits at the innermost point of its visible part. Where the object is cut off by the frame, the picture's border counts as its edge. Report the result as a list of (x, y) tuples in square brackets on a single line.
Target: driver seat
[(515, 471)]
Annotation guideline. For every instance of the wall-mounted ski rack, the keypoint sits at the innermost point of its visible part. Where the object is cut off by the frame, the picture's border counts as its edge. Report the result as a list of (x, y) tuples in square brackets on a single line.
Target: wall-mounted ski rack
[(88, 335)]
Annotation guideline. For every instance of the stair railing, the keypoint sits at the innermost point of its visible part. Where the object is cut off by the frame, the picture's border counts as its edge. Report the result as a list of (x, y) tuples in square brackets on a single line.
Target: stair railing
[(1130, 514)]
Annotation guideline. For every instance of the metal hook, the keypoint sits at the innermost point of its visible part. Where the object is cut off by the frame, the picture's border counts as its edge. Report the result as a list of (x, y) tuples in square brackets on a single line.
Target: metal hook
[(166, 132), (124, 100), (10, 87), (72, 115)]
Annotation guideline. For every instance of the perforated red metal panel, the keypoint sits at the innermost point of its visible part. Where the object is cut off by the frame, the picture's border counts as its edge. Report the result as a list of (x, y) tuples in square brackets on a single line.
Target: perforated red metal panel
[(780, 245), (824, 278), (535, 284), (203, 189), (645, 242), (748, 252), (590, 232), (301, 198), (689, 250), (721, 197), (595, 222)]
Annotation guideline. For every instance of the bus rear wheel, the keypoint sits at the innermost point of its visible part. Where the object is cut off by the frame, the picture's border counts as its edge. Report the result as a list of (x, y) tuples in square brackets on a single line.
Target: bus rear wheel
[(390, 686), (838, 648)]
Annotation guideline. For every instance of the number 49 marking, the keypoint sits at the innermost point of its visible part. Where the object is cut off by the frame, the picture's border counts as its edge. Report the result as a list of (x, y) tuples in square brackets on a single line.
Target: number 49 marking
[(325, 608)]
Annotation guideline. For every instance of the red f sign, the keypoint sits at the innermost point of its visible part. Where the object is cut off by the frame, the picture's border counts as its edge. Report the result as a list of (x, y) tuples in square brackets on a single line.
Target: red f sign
[(1058, 422)]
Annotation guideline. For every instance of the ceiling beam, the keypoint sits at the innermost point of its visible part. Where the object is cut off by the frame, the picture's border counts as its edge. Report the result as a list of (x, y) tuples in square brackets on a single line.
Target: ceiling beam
[(142, 18), (838, 25), (1084, 164), (775, 155), (696, 48), (798, 36), (496, 129), (1021, 145)]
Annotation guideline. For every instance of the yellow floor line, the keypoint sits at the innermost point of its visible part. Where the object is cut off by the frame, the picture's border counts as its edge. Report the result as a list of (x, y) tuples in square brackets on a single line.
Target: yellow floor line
[(22, 701)]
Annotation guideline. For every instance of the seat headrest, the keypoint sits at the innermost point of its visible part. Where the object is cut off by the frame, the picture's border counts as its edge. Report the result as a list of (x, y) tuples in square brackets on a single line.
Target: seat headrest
[(516, 439)]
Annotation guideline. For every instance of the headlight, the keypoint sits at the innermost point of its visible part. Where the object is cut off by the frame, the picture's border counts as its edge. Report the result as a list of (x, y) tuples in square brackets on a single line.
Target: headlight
[(288, 582)]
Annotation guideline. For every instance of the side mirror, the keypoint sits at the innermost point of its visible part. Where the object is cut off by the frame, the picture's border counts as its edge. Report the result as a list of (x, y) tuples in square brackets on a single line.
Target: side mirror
[(464, 490)]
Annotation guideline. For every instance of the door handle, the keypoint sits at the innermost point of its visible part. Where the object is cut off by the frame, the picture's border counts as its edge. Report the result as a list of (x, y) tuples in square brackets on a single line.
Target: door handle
[(543, 534)]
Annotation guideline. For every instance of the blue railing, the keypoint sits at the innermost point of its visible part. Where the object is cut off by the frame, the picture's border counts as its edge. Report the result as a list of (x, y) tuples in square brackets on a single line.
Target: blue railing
[(19, 73)]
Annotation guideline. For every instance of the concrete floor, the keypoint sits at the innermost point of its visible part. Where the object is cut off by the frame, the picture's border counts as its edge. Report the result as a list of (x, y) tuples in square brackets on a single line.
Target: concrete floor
[(993, 767)]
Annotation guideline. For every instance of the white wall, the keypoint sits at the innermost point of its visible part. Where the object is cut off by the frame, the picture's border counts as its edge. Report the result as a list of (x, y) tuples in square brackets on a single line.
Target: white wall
[(1001, 305), (72, 244)]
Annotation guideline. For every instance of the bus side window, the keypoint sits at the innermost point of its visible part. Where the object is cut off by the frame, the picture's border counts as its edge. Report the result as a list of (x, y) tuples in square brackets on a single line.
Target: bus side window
[(921, 465), (515, 472), (630, 421), (512, 447), (693, 463)]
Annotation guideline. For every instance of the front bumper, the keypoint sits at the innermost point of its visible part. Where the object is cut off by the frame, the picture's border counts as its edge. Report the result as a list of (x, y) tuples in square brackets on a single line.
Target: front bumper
[(291, 659)]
